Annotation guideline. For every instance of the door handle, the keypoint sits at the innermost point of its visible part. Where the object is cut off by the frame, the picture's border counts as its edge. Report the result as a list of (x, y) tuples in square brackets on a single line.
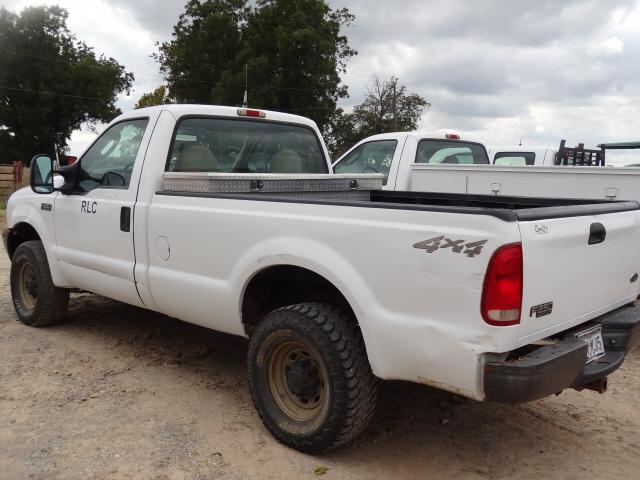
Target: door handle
[(125, 219), (597, 233)]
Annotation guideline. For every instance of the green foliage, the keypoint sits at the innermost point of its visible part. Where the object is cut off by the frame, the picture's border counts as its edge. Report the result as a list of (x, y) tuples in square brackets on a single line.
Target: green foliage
[(293, 50), (206, 43), (157, 97), (3, 206), (50, 83), (387, 107)]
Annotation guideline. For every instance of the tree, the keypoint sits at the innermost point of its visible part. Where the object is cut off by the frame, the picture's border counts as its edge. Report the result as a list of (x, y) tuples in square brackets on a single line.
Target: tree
[(387, 107), (50, 83), (293, 51), (157, 97), (206, 43)]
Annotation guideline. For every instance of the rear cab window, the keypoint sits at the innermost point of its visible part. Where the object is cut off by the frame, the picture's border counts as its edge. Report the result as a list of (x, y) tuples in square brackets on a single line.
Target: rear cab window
[(204, 144), (451, 152), (514, 159), (371, 157)]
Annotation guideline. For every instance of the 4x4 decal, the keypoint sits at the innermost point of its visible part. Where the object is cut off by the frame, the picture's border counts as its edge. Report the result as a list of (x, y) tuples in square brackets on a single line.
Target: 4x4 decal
[(471, 249)]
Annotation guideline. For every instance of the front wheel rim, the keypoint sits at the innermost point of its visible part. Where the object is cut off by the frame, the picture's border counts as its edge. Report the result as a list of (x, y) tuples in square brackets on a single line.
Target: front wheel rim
[(27, 286), (297, 380)]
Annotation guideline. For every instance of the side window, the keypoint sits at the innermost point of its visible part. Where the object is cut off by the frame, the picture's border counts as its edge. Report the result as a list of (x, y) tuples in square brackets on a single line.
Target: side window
[(451, 152), (110, 160), (244, 146), (514, 159), (371, 157)]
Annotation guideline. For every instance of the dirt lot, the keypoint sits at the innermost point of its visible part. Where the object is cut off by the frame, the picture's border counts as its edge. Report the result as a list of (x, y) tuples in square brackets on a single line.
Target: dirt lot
[(118, 392)]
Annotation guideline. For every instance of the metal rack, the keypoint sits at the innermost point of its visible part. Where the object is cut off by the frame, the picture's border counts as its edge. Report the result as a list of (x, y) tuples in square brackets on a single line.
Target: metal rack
[(580, 156)]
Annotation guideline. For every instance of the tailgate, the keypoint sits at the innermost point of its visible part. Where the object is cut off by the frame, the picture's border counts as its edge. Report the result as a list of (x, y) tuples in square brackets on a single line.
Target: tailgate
[(576, 268)]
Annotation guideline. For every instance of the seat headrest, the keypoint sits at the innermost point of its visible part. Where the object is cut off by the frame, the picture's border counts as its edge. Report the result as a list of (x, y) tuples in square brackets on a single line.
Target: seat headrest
[(196, 158), (286, 161)]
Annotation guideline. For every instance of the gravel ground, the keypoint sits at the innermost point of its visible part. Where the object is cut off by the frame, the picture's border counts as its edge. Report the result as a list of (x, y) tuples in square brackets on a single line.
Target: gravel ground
[(118, 392)]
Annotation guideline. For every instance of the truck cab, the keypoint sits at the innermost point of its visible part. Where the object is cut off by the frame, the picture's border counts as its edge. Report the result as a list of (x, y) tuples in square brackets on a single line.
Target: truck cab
[(392, 154)]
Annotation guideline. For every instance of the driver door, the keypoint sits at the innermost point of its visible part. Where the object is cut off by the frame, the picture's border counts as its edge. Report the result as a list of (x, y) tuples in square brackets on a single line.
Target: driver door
[(376, 156), (93, 225)]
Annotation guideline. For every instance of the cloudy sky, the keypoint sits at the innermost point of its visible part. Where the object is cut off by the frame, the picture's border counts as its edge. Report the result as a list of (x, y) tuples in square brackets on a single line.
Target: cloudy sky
[(498, 70)]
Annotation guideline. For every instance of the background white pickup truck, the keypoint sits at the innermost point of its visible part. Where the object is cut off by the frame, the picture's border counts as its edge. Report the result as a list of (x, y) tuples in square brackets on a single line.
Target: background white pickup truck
[(446, 163), (228, 218), (520, 156)]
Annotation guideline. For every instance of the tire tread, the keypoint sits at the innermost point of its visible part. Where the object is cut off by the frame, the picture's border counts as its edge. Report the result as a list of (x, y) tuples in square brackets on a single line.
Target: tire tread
[(342, 336), (52, 301)]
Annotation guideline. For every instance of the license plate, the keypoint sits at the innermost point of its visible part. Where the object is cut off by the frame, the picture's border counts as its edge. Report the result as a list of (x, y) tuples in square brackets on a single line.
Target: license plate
[(595, 345)]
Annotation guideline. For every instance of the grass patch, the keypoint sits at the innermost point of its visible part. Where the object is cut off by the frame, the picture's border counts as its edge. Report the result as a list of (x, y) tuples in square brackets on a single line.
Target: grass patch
[(3, 206)]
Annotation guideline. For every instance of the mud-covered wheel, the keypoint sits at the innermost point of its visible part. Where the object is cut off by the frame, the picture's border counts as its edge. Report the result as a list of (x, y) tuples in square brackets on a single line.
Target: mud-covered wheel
[(309, 376), (37, 301)]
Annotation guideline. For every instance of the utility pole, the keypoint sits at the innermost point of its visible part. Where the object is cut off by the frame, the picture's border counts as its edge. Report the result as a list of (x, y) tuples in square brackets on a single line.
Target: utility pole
[(55, 149), (395, 93), (245, 103)]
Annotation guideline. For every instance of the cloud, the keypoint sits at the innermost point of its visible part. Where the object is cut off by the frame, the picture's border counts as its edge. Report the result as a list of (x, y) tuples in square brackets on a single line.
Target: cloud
[(157, 16), (500, 70), (505, 71)]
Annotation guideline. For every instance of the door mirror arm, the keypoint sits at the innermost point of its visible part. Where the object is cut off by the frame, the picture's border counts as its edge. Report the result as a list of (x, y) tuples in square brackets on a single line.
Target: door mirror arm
[(70, 174)]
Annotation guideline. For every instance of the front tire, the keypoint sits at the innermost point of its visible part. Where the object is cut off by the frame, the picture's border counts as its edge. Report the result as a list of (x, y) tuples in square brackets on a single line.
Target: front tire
[(310, 378), (37, 301)]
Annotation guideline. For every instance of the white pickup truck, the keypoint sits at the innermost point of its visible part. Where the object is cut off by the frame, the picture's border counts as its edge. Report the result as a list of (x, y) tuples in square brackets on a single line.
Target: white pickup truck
[(228, 218), (528, 155), (447, 163)]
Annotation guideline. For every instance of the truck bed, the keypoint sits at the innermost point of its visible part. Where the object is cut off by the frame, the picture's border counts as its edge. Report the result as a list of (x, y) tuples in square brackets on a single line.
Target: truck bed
[(505, 208), (531, 181)]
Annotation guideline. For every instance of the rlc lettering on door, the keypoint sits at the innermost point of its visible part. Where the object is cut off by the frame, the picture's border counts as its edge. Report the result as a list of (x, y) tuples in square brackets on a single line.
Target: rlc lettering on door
[(88, 207)]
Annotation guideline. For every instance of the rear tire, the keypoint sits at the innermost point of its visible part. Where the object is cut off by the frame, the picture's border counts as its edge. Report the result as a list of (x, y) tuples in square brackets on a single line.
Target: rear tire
[(310, 378), (37, 301)]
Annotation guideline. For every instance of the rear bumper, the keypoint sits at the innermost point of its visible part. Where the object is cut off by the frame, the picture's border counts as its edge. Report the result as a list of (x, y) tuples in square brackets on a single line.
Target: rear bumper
[(552, 368)]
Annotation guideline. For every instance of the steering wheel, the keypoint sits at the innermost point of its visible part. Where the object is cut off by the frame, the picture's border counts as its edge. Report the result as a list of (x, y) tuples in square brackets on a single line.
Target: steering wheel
[(369, 169), (115, 174), (231, 151)]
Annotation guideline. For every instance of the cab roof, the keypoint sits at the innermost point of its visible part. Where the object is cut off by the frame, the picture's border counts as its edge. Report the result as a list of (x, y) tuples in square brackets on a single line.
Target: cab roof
[(420, 135), (180, 110)]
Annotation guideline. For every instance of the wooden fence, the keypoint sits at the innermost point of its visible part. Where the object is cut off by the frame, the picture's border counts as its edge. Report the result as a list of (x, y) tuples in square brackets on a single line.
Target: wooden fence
[(12, 178)]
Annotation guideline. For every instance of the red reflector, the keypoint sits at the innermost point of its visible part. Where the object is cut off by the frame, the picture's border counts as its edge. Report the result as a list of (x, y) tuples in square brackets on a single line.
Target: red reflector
[(452, 136), (502, 291), (246, 112)]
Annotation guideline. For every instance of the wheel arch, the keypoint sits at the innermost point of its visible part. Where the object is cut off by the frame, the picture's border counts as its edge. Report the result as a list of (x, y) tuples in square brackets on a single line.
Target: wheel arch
[(265, 279), (27, 218), (279, 285), (21, 232)]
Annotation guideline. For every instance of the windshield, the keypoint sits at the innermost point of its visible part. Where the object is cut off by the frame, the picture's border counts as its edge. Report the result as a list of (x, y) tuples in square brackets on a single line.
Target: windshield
[(451, 152), (514, 159)]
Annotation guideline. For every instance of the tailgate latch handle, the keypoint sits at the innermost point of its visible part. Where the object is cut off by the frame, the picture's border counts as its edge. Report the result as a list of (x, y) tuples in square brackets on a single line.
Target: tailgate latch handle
[(597, 233)]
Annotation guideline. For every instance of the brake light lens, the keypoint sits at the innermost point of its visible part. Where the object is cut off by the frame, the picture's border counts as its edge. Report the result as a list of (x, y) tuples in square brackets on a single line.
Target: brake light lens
[(248, 112), (452, 136), (502, 292)]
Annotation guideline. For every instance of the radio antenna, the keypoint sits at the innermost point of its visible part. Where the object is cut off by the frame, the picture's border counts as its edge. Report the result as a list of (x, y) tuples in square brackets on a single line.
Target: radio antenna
[(246, 85)]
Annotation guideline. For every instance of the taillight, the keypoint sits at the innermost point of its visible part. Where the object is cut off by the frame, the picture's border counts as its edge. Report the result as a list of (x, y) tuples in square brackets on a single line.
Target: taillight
[(502, 291), (452, 136)]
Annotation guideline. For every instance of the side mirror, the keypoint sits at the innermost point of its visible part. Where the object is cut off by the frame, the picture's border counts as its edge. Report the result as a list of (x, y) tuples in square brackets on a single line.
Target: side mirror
[(41, 174)]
